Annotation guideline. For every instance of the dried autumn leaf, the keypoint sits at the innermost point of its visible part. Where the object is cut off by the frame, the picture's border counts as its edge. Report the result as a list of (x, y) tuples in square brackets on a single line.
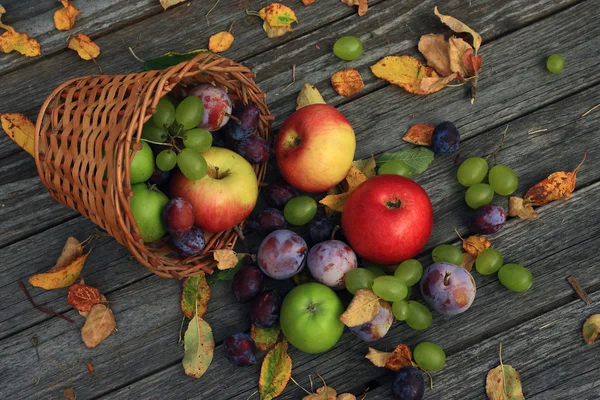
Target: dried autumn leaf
[(67, 269), (346, 396), (404, 71), (434, 84), (265, 338), (557, 186), (85, 48), (278, 19), (169, 3), (12, 40), (195, 295), (366, 166), (378, 358), (504, 383), (199, 347), (100, 323), (468, 261), (69, 394), (308, 95), (435, 50), (459, 27), (20, 129), (90, 368), (475, 245), (275, 372), (400, 357), (419, 134), (363, 308), (220, 42), (83, 297), (471, 62), (519, 208), (71, 251), (591, 328), (323, 393), (363, 5), (225, 258), (456, 48), (308, 2), (64, 19), (347, 82), (336, 202)]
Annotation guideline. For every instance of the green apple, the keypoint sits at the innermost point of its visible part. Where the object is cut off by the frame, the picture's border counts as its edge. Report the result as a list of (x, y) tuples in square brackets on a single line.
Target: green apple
[(147, 206), (310, 318), (142, 165)]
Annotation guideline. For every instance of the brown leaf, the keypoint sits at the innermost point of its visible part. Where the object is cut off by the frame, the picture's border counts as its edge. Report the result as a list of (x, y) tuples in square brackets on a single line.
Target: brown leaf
[(419, 134), (225, 258), (347, 82), (169, 3), (504, 383), (456, 50), (20, 129), (400, 357), (363, 308), (69, 394), (346, 396), (378, 358), (591, 328), (366, 166), (308, 95), (64, 19), (90, 368), (85, 48), (518, 208), (100, 323), (336, 202), (363, 5), (435, 50), (471, 62), (475, 245), (83, 297), (72, 250), (308, 2), (323, 393), (459, 27), (430, 85), (220, 42), (557, 186), (407, 72), (468, 261)]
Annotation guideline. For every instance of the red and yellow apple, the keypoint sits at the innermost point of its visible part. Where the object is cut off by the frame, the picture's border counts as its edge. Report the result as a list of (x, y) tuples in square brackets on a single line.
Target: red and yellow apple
[(225, 196), (387, 219), (315, 148)]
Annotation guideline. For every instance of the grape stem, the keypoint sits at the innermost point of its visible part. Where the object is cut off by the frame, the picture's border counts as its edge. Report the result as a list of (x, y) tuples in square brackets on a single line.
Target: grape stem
[(158, 143)]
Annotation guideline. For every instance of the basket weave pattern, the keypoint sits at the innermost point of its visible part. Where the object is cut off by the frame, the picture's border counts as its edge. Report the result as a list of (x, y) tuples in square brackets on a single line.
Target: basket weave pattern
[(88, 130)]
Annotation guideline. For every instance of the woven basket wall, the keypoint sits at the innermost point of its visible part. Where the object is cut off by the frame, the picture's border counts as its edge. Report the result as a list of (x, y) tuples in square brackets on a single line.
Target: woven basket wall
[(84, 134)]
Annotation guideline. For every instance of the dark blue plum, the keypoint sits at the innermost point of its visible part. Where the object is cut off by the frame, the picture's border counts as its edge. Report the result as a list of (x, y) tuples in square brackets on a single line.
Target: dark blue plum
[(160, 177), (244, 123), (279, 194), (247, 283), (253, 148), (267, 221), (486, 219), (409, 384), (264, 311), (191, 244), (321, 229), (445, 138), (240, 349)]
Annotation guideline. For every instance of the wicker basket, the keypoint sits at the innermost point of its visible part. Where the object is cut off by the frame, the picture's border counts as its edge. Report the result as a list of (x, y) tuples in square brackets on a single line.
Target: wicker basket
[(84, 134)]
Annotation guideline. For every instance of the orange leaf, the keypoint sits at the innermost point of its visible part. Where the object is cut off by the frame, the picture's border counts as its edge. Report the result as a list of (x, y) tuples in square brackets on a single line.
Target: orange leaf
[(69, 394), (308, 2), (67, 269), (557, 186), (435, 50), (83, 297), (347, 82), (336, 202), (419, 134), (400, 357), (100, 323), (90, 368), (20, 129), (519, 208), (275, 372), (220, 42), (406, 72), (363, 5), (456, 49), (475, 245), (471, 62), (13, 40), (468, 261), (84, 46), (64, 19)]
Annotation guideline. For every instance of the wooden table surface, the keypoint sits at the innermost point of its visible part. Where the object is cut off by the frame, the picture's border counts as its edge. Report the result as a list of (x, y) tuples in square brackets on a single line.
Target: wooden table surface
[(540, 329)]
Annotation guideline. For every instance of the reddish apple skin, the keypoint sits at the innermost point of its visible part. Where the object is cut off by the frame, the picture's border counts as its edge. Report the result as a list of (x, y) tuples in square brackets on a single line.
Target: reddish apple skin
[(387, 219), (315, 148)]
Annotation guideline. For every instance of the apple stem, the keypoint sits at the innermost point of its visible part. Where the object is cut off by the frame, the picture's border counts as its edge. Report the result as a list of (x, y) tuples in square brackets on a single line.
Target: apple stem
[(447, 278), (217, 172)]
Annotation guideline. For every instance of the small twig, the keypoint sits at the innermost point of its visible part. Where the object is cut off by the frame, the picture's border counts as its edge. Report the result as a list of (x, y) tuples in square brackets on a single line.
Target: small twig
[(34, 342), (181, 331), (461, 238), (532, 131), (579, 290), (209, 11), (293, 78), (428, 374), (253, 393), (239, 232), (503, 374), (499, 146), (474, 89), (135, 56), (98, 65), (293, 380), (590, 110), (24, 289)]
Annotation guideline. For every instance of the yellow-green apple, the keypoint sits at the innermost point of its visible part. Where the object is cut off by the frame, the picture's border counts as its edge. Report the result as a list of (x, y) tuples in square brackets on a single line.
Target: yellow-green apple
[(387, 219), (225, 196), (315, 148)]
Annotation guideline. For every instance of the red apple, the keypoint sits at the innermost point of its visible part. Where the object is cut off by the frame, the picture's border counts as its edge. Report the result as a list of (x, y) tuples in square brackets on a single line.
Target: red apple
[(315, 148), (225, 196), (387, 219)]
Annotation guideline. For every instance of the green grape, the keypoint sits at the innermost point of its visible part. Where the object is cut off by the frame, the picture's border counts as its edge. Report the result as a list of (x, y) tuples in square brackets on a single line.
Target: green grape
[(503, 180), (165, 113), (400, 310), (419, 316), (166, 160), (488, 261), (348, 48), (389, 288), (471, 171), (192, 164), (409, 271), (394, 167), (429, 356), (447, 253), (375, 269), (515, 277), (198, 139), (479, 195), (153, 133), (359, 278), (189, 112), (300, 210), (555, 63), (408, 292)]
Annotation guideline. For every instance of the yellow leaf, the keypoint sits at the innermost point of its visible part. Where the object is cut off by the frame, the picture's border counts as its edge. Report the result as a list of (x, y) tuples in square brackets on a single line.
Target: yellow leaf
[(363, 5), (367, 167), (67, 269), (363, 308), (195, 296), (378, 358), (456, 50), (308, 95), (475, 245), (432, 85), (199, 347), (277, 15), (84, 46), (347, 82), (13, 40), (518, 208), (504, 383), (20, 129), (100, 323), (275, 372), (336, 201), (468, 261), (64, 19), (226, 259), (459, 27), (435, 50), (591, 328), (404, 71), (169, 3), (419, 134), (220, 42), (275, 32), (265, 338)]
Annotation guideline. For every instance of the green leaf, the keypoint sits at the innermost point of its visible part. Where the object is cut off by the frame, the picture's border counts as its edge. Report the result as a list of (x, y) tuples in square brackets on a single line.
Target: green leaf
[(199, 346), (275, 372), (226, 274), (591, 328), (265, 338), (195, 295), (170, 59), (504, 383), (417, 159)]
